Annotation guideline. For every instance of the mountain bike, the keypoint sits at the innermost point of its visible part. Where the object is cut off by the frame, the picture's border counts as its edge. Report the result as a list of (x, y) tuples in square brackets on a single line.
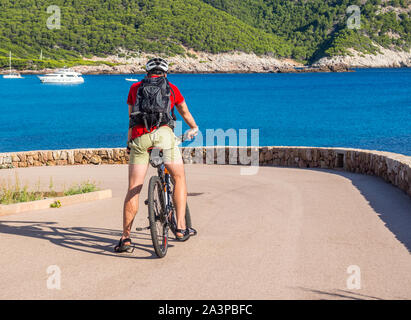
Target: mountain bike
[(161, 210)]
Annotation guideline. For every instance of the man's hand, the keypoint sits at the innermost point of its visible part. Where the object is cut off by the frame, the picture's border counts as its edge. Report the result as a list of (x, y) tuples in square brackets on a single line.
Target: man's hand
[(192, 133), (188, 118)]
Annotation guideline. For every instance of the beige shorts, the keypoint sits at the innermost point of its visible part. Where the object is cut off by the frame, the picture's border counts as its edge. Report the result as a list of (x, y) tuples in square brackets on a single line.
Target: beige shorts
[(163, 138)]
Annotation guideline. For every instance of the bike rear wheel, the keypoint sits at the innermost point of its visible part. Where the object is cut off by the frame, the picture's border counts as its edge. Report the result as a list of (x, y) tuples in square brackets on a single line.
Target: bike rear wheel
[(157, 216)]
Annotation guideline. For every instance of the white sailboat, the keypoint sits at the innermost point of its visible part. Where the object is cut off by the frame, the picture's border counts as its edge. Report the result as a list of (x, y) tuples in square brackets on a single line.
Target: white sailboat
[(12, 75)]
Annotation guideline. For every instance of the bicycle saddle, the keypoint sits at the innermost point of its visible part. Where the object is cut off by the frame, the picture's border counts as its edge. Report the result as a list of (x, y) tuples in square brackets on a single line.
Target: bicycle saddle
[(156, 156)]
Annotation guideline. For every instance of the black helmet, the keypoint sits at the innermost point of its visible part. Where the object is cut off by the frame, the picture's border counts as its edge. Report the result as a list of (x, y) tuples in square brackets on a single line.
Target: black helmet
[(157, 64)]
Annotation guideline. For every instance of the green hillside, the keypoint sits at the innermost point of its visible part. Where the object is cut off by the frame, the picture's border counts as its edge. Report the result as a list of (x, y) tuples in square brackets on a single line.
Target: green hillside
[(319, 27), (97, 27), (304, 30)]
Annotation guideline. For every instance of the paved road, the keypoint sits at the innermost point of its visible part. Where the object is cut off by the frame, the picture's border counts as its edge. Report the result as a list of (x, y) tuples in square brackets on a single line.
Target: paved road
[(281, 234)]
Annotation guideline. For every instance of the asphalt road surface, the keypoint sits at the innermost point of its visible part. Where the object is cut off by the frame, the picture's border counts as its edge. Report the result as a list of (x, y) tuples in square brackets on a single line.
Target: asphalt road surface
[(283, 233)]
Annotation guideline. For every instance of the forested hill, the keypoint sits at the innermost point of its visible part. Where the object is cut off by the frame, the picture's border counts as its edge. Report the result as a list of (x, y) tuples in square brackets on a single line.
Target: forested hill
[(317, 28), (304, 30)]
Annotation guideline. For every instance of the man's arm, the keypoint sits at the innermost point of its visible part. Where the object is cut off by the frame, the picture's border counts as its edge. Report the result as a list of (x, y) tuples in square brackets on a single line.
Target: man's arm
[(129, 129), (130, 107), (182, 109)]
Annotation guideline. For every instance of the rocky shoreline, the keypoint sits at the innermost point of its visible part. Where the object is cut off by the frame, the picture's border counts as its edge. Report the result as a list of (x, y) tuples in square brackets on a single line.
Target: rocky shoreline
[(385, 58), (237, 62), (199, 62), (126, 69)]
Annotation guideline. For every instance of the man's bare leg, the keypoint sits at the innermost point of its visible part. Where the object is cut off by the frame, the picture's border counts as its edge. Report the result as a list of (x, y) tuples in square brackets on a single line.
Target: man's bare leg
[(180, 192), (136, 175)]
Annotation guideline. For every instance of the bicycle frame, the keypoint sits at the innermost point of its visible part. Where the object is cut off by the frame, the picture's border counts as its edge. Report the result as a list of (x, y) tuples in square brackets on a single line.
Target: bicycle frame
[(168, 192), (165, 178), (161, 210)]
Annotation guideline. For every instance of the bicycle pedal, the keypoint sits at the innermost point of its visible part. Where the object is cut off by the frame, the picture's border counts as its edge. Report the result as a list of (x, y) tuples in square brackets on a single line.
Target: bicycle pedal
[(142, 229)]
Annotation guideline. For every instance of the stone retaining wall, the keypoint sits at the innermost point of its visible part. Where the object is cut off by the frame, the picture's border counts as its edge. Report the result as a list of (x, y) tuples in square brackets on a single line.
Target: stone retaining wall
[(393, 168)]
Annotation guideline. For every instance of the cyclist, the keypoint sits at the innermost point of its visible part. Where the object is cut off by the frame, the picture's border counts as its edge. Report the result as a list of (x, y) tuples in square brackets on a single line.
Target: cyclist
[(151, 112)]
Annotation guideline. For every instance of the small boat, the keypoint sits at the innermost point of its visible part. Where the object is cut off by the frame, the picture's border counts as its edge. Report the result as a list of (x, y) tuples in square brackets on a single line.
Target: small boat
[(12, 75), (63, 76), (131, 79)]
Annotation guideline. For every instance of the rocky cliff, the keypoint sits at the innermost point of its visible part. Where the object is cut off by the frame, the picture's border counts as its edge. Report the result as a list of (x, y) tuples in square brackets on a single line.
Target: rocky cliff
[(200, 62), (238, 62), (386, 58)]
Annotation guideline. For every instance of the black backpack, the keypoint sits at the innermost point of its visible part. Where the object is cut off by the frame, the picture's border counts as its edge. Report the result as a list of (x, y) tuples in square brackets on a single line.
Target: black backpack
[(153, 105)]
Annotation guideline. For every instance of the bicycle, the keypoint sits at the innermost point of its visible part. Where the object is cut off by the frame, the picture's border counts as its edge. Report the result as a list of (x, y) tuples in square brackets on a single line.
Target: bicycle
[(161, 210)]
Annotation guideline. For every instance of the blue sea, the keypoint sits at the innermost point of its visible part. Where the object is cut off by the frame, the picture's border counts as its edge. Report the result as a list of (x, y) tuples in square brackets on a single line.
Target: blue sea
[(369, 109)]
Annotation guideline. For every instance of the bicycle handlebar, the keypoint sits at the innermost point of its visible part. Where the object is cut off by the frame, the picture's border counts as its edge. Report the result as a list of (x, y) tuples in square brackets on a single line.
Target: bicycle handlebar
[(182, 138)]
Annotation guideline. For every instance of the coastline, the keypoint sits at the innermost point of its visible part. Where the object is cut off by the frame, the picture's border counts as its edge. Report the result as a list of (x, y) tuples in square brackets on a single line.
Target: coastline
[(127, 70), (384, 58), (238, 62), (115, 71)]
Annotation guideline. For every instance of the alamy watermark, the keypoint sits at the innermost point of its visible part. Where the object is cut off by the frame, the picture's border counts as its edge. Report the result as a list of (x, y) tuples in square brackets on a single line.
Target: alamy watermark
[(54, 277), (54, 21), (354, 20), (228, 146), (354, 278)]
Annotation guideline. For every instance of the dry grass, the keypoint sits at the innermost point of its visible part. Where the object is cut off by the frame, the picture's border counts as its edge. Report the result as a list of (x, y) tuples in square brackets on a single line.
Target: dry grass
[(15, 193)]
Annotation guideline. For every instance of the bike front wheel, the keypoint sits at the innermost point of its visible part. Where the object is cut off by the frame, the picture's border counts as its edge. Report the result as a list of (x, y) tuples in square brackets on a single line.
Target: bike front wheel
[(157, 216)]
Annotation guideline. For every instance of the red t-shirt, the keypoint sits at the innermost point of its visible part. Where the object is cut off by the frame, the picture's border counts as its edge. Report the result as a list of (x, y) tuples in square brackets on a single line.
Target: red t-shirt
[(139, 130)]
